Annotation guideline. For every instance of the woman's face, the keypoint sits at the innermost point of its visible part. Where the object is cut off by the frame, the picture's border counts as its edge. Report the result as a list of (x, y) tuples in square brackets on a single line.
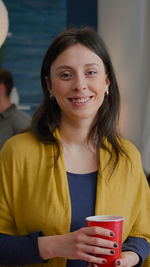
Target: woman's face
[(78, 82)]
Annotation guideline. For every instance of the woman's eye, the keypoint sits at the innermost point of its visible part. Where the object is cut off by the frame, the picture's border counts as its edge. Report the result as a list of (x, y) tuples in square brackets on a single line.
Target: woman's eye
[(65, 75), (91, 73)]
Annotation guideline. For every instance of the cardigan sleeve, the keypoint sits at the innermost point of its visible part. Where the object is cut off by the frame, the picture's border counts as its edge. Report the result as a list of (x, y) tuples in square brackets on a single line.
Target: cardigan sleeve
[(7, 223), (20, 250), (141, 226)]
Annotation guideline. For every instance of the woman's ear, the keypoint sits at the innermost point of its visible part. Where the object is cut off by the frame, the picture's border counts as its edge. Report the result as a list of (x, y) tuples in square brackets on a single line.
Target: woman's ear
[(48, 83), (107, 81)]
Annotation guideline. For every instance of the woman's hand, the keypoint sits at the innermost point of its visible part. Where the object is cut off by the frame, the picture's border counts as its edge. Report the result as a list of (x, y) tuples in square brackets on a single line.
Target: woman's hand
[(128, 259), (78, 245)]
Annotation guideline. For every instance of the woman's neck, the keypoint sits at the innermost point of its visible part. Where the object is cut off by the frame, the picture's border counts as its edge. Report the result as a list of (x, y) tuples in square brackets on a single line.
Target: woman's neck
[(80, 154), (74, 133)]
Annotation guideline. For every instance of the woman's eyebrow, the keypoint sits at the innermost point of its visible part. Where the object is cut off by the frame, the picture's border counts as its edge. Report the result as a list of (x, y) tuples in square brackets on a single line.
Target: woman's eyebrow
[(69, 67), (63, 67), (92, 64)]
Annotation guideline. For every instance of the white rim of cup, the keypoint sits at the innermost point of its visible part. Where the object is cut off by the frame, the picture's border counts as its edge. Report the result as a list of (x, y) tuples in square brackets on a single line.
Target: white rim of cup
[(105, 218)]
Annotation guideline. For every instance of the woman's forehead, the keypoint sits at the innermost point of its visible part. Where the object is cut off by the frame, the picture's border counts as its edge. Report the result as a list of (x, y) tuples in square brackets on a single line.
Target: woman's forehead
[(77, 54)]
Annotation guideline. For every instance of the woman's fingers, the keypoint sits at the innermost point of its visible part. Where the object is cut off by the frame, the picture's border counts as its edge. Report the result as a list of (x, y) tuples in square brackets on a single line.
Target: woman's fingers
[(94, 237), (91, 240), (93, 259), (95, 250), (100, 242), (128, 259), (96, 230)]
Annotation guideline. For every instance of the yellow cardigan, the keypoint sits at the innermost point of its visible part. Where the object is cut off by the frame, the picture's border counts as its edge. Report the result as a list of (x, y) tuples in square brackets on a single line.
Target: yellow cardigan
[(34, 194)]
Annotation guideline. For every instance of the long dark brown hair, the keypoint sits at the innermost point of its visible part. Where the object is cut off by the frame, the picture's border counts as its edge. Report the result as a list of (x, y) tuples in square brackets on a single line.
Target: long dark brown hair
[(48, 115)]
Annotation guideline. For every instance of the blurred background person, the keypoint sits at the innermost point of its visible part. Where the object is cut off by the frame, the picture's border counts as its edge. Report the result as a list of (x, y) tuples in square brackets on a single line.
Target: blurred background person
[(12, 120)]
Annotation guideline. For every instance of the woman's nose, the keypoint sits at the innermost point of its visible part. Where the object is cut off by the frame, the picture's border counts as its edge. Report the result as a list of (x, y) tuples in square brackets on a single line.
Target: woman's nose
[(79, 84)]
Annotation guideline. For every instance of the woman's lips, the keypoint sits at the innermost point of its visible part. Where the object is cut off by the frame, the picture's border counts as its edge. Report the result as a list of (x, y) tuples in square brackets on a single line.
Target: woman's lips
[(80, 99)]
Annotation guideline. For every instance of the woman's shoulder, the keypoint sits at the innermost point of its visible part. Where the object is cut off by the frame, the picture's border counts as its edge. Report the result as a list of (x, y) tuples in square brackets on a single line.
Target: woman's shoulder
[(129, 145), (21, 143), (130, 149)]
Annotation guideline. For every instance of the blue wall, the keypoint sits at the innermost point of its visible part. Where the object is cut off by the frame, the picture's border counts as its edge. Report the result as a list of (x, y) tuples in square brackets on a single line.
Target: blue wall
[(82, 13), (33, 25)]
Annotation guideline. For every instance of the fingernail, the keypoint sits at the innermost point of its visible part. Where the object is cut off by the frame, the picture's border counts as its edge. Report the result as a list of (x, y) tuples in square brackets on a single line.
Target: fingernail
[(112, 234), (118, 262), (103, 261), (112, 252), (115, 245)]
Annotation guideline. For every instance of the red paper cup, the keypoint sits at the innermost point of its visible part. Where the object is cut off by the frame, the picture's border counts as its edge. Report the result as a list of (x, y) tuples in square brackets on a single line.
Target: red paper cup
[(114, 223)]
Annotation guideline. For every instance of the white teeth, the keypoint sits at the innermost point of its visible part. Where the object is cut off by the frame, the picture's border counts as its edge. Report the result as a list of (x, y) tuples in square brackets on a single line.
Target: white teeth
[(80, 100)]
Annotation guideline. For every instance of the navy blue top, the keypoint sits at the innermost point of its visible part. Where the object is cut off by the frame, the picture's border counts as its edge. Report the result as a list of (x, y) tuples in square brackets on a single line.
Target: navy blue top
[(23, 250), (83, 196)]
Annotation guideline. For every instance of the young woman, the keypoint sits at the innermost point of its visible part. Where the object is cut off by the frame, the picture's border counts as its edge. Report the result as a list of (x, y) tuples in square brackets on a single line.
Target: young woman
[(72, 164)]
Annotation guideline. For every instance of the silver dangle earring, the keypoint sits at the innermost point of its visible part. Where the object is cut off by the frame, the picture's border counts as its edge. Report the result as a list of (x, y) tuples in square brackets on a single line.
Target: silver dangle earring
[(51, 96), (107, 93)]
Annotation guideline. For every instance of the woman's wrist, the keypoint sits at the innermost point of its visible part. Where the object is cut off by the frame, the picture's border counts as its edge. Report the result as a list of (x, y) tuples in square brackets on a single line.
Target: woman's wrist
[(46, 247)]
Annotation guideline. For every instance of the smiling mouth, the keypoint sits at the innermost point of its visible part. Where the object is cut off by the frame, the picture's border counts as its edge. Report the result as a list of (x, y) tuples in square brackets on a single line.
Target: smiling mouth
[(80, 99)]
